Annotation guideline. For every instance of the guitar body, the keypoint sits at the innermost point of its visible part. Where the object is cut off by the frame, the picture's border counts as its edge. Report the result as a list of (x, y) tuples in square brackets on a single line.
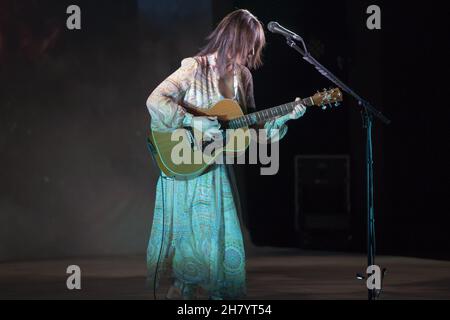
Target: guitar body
[(165, 144)]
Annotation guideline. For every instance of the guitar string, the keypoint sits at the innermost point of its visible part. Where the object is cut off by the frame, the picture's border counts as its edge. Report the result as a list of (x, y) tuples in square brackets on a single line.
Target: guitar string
[(246, 121)]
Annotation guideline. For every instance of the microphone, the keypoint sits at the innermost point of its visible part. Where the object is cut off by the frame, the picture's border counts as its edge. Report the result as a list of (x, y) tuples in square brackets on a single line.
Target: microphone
[(275, 27)]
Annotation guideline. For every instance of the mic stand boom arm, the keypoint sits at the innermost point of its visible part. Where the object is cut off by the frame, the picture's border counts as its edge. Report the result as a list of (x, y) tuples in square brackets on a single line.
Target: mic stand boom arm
[(329, 75), (368, 113)]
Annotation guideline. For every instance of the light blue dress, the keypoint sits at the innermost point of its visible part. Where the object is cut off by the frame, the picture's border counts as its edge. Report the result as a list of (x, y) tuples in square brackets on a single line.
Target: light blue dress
[(196, 235)]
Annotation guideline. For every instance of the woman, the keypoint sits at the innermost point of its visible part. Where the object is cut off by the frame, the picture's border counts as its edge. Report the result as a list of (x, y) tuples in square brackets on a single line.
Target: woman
[(196, 220)]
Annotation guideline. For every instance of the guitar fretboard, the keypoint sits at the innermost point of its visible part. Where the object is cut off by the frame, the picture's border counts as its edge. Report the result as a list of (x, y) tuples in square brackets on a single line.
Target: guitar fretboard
[(268, 114)]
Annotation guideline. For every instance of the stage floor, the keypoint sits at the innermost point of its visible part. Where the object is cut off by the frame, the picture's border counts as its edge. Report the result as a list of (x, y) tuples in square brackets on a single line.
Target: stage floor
[(272, 274)]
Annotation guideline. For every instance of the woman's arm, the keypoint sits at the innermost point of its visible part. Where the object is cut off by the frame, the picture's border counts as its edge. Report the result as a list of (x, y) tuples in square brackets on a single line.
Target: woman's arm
[(164, 102)]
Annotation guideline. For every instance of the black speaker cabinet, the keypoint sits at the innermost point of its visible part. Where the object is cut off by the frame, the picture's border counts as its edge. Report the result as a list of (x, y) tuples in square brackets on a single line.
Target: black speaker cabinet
[(322, 202)]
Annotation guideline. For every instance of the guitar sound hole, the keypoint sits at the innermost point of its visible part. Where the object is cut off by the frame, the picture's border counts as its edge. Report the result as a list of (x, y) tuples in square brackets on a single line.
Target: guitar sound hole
[(224, 124), (216, 143)]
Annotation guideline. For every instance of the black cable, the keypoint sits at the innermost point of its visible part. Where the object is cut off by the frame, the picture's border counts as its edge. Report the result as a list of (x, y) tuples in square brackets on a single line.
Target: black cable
[(162, 238), (152, 152)]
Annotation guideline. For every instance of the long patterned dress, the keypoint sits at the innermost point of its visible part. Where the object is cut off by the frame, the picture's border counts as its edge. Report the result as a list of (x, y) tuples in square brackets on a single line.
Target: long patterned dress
[(196, 234)]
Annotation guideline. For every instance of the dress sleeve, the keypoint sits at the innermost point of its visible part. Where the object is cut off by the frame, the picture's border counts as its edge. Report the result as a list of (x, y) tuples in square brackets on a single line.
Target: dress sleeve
[(272, 127), (164, 103)]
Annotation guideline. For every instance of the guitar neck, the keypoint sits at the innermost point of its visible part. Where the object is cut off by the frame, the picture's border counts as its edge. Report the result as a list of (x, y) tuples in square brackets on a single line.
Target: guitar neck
[(268, 114)]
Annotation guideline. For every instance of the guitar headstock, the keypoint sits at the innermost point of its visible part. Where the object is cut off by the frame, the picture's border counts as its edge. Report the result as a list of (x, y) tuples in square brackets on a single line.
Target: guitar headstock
[(328, 98)]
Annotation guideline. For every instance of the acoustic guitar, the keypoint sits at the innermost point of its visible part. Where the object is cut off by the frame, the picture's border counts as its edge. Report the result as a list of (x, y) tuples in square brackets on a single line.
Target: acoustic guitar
[(181, 155)]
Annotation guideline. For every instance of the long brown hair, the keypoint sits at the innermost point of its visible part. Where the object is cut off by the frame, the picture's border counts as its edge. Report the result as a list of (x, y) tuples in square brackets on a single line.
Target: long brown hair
[(240, 35)]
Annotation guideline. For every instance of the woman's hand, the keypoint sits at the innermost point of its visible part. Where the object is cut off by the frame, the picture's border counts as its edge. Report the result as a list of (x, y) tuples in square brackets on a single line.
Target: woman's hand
[(209, 126), (298, 112)]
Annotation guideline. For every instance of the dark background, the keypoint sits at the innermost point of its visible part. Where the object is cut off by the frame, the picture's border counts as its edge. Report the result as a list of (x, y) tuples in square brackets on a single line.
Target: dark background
[(76, 178)]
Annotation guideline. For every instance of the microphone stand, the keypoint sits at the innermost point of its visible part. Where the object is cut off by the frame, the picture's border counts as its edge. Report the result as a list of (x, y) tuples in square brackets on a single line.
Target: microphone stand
[(368, 114)]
